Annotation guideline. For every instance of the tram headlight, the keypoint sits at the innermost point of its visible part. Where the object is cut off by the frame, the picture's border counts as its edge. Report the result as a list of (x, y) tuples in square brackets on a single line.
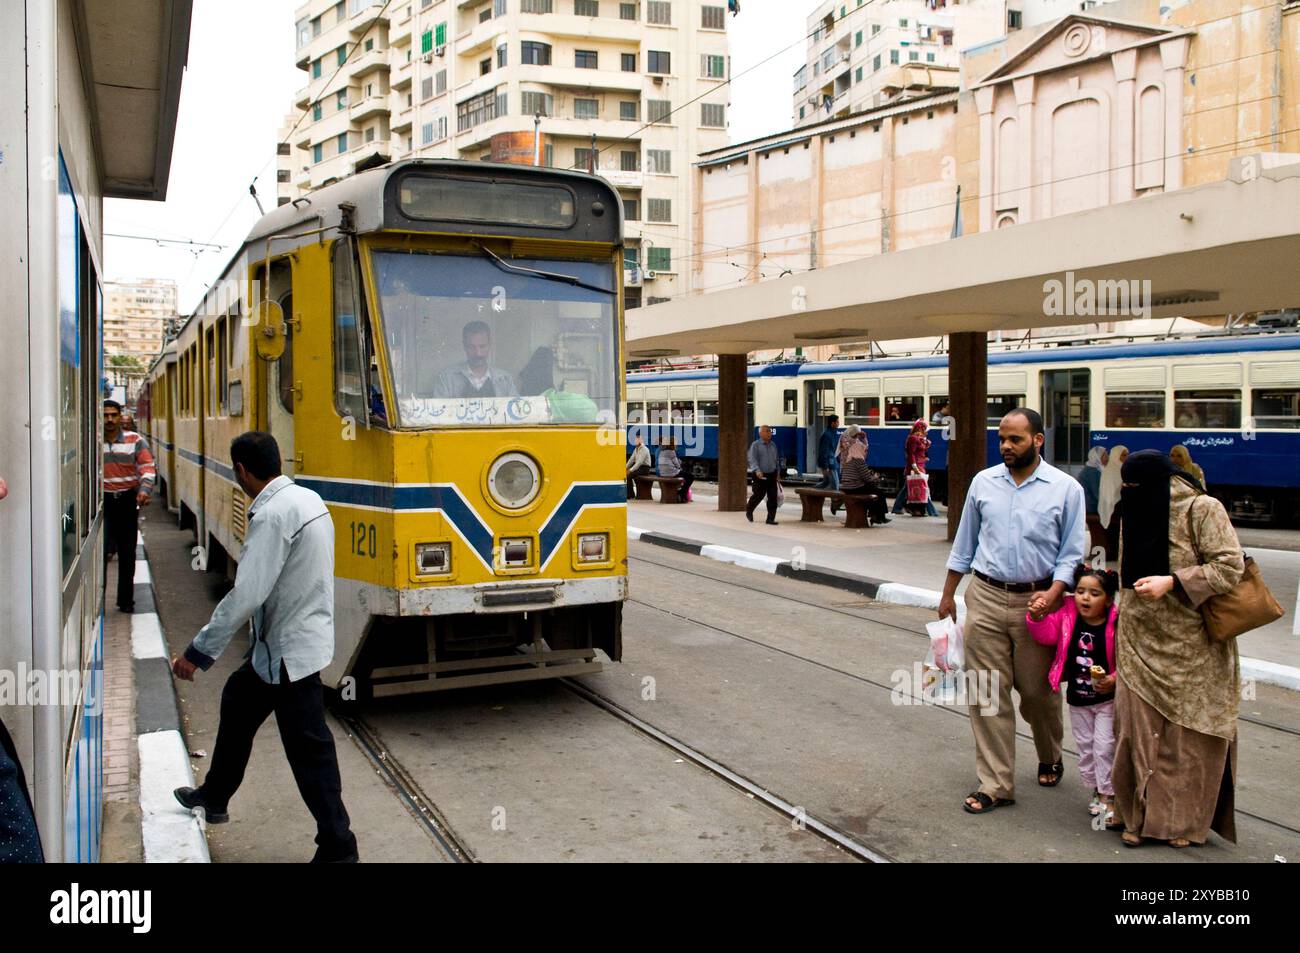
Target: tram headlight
[(513, 480), (432, 559), (593, 547)]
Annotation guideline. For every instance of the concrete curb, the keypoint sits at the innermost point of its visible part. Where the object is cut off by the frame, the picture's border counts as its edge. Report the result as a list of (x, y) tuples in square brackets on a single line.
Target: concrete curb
[(894, 593), (170, 833)]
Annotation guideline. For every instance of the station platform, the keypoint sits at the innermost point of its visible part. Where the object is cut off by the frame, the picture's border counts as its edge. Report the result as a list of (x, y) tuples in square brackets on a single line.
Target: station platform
[(904, 562)]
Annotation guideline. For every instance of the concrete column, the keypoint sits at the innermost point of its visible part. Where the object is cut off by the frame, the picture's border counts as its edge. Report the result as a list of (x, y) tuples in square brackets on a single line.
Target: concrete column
[(1173, 57), (816, 182), (755, 253), (1025, 93), (733, 438), (887, 184), (988, 155), (968, 353), (1126, 145)]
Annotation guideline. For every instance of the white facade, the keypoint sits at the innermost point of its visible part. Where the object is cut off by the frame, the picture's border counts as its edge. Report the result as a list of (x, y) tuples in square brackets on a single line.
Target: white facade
[(468, 80)]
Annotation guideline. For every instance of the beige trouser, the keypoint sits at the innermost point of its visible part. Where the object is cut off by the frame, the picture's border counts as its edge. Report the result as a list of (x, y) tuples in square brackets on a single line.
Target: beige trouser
[(997, 640)]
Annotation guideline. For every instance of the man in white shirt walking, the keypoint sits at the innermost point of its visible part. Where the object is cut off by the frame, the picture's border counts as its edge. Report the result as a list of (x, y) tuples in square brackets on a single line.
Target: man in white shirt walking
[(285, 586)]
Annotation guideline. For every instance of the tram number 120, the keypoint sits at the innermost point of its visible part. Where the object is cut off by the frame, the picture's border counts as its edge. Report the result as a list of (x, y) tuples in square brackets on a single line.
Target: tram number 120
[(363, 539)]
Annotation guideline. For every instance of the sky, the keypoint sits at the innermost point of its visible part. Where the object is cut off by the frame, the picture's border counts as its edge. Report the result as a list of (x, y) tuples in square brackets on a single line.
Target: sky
[(238, 89)]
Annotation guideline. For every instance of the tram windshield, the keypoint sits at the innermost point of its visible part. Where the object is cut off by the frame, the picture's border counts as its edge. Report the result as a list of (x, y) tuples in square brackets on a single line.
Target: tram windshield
[(475, 341)]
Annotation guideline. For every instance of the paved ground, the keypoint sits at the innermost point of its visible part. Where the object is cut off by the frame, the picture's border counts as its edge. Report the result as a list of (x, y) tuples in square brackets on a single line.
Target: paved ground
[(915, 550), (786, 683)]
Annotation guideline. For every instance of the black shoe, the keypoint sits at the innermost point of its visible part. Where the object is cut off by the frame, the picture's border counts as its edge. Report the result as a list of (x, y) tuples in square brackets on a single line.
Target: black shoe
[(883, 520), (190, 798), (128, 610), (772, 522), (347, 855), (749, 515)]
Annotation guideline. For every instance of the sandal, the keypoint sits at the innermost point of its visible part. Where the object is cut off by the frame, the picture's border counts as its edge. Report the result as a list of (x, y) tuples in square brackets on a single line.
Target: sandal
[(1130, 839), (1054, 771), (1180, 843), (985, 802)]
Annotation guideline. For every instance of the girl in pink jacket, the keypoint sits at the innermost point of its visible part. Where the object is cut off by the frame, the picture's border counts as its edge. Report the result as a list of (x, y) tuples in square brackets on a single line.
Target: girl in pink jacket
[(1082, 631)]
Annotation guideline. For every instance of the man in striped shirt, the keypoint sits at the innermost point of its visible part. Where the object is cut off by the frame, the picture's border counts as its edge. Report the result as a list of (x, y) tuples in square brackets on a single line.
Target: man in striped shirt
[(128, 481)]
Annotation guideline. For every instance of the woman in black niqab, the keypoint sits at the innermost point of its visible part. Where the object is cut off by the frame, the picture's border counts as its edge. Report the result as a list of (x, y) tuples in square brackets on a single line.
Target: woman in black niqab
[(1145, 523)]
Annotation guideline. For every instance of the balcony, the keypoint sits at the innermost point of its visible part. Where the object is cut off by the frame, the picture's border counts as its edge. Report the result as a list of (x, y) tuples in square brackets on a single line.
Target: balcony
[(402, 78), (581, 79), (302, 98), (368, 150), (367, 107), (361, 13), (619, 178), (584, 28), (401, 121), (479, 38), (632, 277), (368, 62)]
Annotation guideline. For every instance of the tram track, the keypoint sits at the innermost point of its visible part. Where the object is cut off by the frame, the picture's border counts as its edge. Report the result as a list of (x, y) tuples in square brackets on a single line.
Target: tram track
[(878, 684), (879, 620), (407, 789)]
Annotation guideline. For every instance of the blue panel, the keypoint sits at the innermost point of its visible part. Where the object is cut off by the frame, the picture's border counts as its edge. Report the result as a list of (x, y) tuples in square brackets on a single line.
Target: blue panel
[(1228, 459), (553, 532)]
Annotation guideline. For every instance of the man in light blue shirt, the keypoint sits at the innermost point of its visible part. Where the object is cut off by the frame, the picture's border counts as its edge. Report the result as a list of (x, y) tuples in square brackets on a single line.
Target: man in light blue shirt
[(285, 588), (1022, 534)]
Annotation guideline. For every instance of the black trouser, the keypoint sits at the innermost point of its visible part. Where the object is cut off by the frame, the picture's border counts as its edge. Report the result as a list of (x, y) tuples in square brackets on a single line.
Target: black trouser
[(121, 527), (763, 486), (631, 483), (875, 502), (299, 708)]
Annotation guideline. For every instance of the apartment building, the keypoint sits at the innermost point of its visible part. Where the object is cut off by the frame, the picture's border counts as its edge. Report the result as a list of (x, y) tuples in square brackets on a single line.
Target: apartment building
[(525, 81), (137, 314)]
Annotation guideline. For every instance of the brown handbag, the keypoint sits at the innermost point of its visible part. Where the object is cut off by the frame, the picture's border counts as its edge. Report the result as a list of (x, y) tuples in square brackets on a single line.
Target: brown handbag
[(1247, 605)]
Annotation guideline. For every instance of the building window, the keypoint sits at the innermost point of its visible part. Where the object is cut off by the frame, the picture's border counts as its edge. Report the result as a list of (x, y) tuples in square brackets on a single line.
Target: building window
[(370, 134), (426, 41), (801, 109), (875, 28), (586, 108), (658, 61), (713, 115), (627, 110), (875, 63), (929, 57), (801, 78), (341, 99), (477, 109), (342, 142), (658, 110), (485, 66), (440, 82), (629, 160), (659, 12), (370, 45), (341, 54), (315, 69), (532, 53), (627, 11), (584, 59), (659, 210), (499, 8), (426, 88), (537, 104), (317, 152), (534, 6), (484, 15), (713, 67), (713, 18), (628, 62), (282, 149), (316, 110), (501, 55), (440, 34), (893, 57), (586, 8), (659, 161), (857, 75), (584, 158), (659, 259), (857, 39), (1013, 19)]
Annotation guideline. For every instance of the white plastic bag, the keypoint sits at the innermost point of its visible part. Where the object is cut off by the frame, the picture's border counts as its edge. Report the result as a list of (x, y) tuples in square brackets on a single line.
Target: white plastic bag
[(942, 670)]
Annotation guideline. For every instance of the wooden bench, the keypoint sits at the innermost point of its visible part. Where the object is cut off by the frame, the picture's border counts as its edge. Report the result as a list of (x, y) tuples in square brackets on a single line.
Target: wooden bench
[(668, 487), (855, 506)]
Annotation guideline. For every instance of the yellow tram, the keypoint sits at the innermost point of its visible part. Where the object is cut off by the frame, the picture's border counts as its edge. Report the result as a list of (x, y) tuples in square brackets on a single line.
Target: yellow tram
[(437, 348)]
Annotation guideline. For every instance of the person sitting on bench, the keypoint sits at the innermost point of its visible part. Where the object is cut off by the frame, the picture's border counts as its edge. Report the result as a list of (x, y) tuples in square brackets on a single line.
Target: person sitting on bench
[(855, 478), (671, 466)]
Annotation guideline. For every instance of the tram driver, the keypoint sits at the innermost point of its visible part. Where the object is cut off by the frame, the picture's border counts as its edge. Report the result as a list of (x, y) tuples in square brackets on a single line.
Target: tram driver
[(475, 377)]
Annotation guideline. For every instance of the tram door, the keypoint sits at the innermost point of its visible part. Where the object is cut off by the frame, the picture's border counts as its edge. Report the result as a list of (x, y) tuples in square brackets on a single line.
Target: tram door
[(819, 404), (280, 393), (1066, 417)]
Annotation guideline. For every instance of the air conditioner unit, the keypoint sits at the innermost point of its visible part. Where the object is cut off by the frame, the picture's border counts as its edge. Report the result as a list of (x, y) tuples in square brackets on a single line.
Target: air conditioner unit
[(440, 50), (427, 57), (649, 274), (659, 80)]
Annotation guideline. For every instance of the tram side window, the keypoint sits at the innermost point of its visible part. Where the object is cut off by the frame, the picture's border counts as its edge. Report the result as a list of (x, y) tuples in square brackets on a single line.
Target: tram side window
[(683, 411), (939, 408), (707, 412), (349, 388), (903, 411), (635, 412), (1276, 408), (999, 405), (863, 411), (1207, 409), (284, 374), (790, 402), (657, 411), (222, 357), (1135, 409)]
